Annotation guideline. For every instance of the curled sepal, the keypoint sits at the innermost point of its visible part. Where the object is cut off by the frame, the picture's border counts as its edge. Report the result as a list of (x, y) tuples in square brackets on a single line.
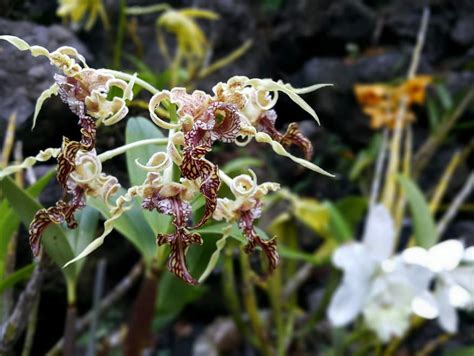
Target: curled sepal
[(29, 162), (179, 242), (154, 104), (293, 93), (280, 150), (48, 93)]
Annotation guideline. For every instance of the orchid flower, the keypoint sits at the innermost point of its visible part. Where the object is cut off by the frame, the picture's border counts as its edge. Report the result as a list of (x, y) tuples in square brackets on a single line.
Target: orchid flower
[(376, 284), (245, 209), (453, 267), (240, 109)]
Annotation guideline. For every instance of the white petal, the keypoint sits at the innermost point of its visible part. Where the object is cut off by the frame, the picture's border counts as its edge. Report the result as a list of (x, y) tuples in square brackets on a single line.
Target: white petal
[(446, 255), (425, 305), (448, 317), (459, 297), (469, 254), (464, 276), (346, 304), (417, 256), (379, 235), (355, 260)]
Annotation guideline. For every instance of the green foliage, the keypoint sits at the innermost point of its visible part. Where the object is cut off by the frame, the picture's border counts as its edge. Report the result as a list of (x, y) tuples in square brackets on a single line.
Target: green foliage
[(60, 243), (423, 222), (17, 276)]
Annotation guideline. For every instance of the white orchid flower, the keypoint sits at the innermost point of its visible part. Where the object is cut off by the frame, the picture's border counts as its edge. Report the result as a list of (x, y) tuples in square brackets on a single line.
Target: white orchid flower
[(375, 284), (360, 262), (453, 265)]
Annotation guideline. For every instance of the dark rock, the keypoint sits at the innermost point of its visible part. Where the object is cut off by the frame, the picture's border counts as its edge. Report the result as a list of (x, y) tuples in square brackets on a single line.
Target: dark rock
[(24, 77), (463, 31)]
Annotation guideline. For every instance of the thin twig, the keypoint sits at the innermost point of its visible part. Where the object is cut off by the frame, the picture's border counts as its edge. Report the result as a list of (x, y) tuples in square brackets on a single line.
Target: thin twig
[(13, 328), (31, 329), (456, 204)]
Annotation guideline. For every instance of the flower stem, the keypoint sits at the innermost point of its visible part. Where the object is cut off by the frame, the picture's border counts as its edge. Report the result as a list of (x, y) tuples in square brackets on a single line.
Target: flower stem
[(122, 149), (250, 303)]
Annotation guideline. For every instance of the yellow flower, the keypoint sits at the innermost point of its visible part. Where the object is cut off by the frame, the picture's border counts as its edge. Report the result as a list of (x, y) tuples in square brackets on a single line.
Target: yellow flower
[(381, 102), (75, 11)]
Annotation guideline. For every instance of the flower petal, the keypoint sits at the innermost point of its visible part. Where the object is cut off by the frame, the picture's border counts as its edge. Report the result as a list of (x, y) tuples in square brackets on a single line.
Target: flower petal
[(446, 255), (379, 234), (346, 303), (448, 317), (280, 150)]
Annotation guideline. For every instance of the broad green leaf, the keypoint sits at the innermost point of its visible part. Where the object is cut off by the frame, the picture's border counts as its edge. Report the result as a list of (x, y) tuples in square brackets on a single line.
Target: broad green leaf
[(133, 226), (312, 213), (339, 229), (17, 276), (424, 226), (139, 129), (55, 240), (9, 221), (86, 231), (352, 209)]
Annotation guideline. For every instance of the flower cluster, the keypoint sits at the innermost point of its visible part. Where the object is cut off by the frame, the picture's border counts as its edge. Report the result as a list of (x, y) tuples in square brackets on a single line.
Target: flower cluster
[(237, 112), (388, 289), (381, 102)]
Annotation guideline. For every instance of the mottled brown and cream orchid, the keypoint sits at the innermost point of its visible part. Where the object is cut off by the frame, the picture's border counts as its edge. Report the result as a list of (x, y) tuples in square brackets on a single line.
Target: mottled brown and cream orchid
[(245, 209), (238, 111)]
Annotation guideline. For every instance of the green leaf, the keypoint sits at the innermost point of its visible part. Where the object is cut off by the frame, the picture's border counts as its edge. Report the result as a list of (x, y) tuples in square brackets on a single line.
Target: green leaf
[(86, 231), (433, 113), (55, 240), (444, 97), (338, 227), (424, 226), (352, 209), (139, 129), (17, 276), (133, 226), (312, 213), (9, 221)]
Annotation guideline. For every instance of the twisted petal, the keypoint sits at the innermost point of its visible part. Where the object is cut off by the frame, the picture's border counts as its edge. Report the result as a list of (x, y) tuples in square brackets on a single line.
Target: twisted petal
[(179, 242), (48, 93), (61, 212), (123, 203), (269, 247), (280, 150), (272, 86), (42, 156), (293, 136), (154, 103)]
